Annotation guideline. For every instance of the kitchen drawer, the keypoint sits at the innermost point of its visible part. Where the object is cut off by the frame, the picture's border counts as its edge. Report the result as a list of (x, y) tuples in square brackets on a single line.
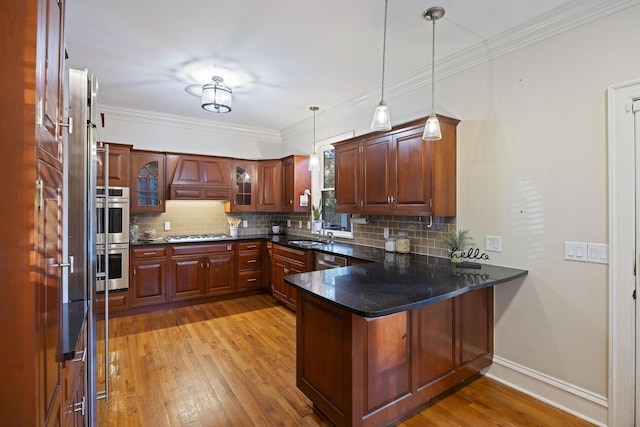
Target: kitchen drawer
[(249, 280), (249, 260), (203, 248), (243, 246), (287, 252), (118, 300), (149, 252)]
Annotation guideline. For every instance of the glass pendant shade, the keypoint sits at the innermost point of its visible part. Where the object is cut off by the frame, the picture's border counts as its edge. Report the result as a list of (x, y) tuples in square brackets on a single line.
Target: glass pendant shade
[(216, 96), (432, 129), (314, 159), (314, 162), (381, 118)]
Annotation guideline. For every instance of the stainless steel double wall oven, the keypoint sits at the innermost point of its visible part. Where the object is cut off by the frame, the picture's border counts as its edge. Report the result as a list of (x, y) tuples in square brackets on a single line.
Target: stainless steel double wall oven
[(116, 224)]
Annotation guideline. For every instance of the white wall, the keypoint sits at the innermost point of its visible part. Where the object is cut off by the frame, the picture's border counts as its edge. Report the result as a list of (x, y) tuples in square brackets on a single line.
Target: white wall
[(164, 132), (532, 168)]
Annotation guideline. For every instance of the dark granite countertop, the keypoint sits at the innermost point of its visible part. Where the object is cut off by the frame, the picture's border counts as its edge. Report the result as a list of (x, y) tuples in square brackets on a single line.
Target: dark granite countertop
[(73, 316), (401, 282), (337, 248)]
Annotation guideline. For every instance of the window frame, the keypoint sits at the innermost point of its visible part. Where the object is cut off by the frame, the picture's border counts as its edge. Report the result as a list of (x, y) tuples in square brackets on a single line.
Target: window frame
[(317, 181)]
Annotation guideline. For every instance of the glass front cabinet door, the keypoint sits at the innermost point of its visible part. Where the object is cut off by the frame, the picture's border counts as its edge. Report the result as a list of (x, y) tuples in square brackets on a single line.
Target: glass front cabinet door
[(244, 187), (147, 175)]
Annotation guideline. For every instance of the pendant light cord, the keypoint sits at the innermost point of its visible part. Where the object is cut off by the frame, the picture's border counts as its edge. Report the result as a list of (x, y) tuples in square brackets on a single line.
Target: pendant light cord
[(433, 69), (314, 131), (384, 47)]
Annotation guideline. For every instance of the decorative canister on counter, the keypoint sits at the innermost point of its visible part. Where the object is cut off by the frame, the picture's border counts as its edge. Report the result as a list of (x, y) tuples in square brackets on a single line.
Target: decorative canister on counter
[(390, 244), (233, 231), (403, 245)]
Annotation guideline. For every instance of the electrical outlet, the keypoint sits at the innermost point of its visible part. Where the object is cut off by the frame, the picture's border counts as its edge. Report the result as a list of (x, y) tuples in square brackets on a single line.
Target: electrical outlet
[(299, 224), (385, 232), (308, 225), (167, 225), (245, 223), (289, 223), (493, 243)]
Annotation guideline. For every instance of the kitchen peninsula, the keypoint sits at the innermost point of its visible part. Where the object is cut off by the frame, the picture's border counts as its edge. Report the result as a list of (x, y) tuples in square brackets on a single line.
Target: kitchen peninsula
[(377, 341)]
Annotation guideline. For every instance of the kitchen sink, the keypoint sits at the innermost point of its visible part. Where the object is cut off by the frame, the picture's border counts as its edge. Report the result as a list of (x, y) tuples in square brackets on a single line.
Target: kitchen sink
[(305, 243)]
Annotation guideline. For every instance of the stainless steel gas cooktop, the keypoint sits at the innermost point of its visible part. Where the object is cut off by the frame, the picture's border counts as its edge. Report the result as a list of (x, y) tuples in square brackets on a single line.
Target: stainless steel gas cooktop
[(179, 238)]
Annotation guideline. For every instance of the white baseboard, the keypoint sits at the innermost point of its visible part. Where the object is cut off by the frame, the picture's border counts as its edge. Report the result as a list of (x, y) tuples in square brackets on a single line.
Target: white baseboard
[(568, 397)]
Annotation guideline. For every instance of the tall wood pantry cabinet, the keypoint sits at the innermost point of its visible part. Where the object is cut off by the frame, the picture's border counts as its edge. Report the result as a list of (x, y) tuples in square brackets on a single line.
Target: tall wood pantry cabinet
[(32, 45)]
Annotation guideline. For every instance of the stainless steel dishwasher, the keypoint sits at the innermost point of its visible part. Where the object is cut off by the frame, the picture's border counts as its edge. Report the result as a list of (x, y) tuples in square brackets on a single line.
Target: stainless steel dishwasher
[(326, 261)]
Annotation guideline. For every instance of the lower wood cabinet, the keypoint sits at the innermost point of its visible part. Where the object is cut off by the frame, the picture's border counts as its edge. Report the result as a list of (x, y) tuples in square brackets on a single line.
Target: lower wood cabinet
[(74, 389), (249, 265), (288, 261), (199, 270), (148, 279), (370, 371)]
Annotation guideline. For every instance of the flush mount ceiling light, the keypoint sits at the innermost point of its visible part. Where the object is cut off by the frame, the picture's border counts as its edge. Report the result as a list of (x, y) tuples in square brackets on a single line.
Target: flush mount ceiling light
[(381, 117), (314, 159), (432, 127), (216, 96)]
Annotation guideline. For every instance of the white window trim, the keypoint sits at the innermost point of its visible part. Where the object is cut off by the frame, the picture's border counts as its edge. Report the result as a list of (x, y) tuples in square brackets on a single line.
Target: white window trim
[(316, 178)]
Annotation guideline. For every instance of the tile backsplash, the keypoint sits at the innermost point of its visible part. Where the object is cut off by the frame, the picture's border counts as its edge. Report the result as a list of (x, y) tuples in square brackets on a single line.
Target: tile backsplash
[(206, 216)]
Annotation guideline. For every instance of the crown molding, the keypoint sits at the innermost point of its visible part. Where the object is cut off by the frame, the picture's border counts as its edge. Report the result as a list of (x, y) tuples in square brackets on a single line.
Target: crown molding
[(557, 21), (154, 118)]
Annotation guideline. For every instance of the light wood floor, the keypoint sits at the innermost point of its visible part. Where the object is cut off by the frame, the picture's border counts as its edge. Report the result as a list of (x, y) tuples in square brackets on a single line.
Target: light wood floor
[(232, 363)]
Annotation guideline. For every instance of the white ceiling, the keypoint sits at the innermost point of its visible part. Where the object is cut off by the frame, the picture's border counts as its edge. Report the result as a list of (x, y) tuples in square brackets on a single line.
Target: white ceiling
[(299, 52)]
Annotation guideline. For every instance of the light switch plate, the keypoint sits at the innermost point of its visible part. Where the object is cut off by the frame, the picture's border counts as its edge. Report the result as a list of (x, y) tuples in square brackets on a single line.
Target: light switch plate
[(167, 225), (576, 251), (598, 253)]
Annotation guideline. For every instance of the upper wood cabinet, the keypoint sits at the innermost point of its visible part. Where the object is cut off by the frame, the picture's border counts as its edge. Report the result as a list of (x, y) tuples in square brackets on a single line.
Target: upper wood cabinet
[(296, 178), (148, 179), (244, 187), (119, 165), (397, 173), (200, 177), (269, 186)]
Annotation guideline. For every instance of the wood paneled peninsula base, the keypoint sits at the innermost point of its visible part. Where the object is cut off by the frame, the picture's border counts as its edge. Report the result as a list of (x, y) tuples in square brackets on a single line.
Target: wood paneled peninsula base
[(377, 341)]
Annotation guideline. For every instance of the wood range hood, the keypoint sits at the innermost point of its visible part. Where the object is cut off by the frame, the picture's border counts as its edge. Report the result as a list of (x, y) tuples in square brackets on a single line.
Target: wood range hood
[(196, 177)]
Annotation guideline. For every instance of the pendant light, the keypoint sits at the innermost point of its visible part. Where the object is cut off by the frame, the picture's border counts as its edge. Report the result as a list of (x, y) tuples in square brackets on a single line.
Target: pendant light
[(432, 127), (216, 96), (381, 117), (314, 159)]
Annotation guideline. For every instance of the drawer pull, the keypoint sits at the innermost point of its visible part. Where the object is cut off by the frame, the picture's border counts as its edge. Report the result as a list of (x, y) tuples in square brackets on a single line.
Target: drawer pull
[(149, 253), (252, 261), (252, 246), (253, 279)]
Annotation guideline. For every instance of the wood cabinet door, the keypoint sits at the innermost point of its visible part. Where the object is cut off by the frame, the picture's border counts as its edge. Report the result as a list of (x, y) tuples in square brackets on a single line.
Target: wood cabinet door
[(148, 284), (243, 187), (378, 168), (280, 269), (49, 288), (220, 273), (269, 186), (148, 182), (50, 102), (347, 177), (187, 277), (288, 178), (411, 172), (119, 166)]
